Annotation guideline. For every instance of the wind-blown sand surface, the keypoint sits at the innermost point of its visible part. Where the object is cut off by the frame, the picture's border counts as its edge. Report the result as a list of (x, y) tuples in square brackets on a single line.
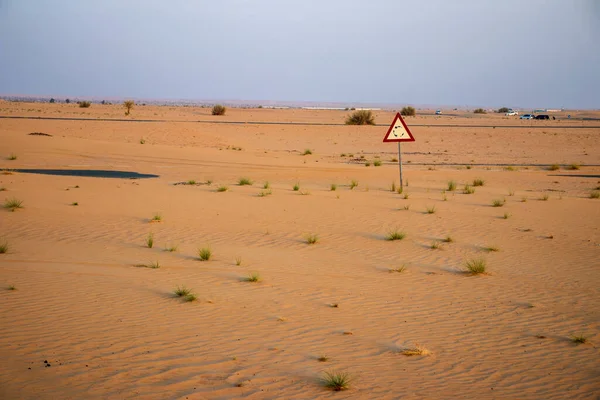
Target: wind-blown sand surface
[(110, 328)]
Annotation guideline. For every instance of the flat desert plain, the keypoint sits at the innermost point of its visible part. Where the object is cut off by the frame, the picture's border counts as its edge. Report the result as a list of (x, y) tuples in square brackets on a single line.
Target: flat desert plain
[(85, 316)]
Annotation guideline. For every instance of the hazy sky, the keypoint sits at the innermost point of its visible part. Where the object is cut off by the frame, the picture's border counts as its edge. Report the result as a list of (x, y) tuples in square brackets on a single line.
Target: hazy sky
[(534, 53)]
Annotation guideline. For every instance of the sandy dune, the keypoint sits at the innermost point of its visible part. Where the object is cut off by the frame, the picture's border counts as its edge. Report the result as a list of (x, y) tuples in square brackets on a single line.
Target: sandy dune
[(110, 328)]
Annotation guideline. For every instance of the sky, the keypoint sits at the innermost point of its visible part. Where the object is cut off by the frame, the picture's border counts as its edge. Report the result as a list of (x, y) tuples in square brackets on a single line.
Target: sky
[(515, 53)]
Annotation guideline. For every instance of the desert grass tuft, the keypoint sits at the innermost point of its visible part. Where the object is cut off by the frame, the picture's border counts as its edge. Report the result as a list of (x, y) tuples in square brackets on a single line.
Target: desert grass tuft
[(595, 195), (478, 182), (545, 197), (238, 261), (3, 189), (451, 186), (307, 152), (12, 157), (554, 167), (304, 192), (491, 248), (142, 141), (393, 187), (244, 181), (353, 184), (75, 203), (156, 218), (506, 215), (264, 193), (153, 265), (266, 185), (476, 266), (406, 207), (417, 350), (312, 238), (222, 188), (296, 187), (406, 196), (150, 240), (448, 239), (497, 203), (361, 117), (190, 297), (253, 277), (333, 187), (323, 358), (204, 253), (367, 163), (13, 204), (11, 287), (434, 246), (336, 381), (181, 291), (172, 248), (191, 182), (430, 210), (574, 166), (3, 247), (395, 234), (468, 189), (377, 163), (399, 269), (579, 339)]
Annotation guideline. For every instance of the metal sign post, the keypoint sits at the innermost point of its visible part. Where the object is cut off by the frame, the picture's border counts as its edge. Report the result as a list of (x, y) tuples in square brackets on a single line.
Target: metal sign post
[(399, 132)]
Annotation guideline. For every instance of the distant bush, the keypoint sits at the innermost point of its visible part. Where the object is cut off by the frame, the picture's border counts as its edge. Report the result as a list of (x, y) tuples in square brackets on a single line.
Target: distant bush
[(502, 110), (52, 100), (408, 111), (361, 117), (219, 109), (85, 104), (480, 111), (128, 104), (67, 101)]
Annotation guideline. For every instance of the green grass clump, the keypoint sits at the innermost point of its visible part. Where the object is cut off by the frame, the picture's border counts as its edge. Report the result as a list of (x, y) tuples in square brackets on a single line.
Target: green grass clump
[(468, 189), (336, 381), (554, 167), (395, 234), (244, 181), (253, 277), (476, 266), (172, 248), (353, 184), (497, 203), (181, 291), (222, 188), (156, 218), (150, 240), (333, 187), (478, 182), (377, 163), (406, 196), (238, 261), (190, 297), (264, 193), (13, 204), (361, 117), (367, 163), (312, 238), (574, 166), (191, 182), (266, 185), (296, 187), (218, 109), (595, 195), (12, 157), (3, 247), (307, 152), (204, 253), (451, 186), (430, 210), (579, 339)]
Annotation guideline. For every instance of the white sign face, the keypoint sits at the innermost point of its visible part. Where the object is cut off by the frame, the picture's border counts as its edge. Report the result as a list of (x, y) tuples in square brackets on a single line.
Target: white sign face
[(398, 131)]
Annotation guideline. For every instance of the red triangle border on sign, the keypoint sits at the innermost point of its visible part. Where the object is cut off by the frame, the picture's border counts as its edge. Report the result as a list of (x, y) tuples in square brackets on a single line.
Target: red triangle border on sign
[(387, 135)]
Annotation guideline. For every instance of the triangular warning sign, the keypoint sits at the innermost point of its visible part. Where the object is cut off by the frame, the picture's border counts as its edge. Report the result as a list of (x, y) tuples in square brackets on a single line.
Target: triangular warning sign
[(398, 131)]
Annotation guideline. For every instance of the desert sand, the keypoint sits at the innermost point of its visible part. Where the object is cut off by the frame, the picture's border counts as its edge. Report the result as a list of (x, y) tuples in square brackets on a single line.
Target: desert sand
[(88, 319)]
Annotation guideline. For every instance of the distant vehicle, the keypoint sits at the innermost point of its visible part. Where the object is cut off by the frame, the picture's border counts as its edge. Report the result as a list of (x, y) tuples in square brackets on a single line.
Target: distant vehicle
[(542, 116), (438, 112), (512, 113), (527, 116)]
